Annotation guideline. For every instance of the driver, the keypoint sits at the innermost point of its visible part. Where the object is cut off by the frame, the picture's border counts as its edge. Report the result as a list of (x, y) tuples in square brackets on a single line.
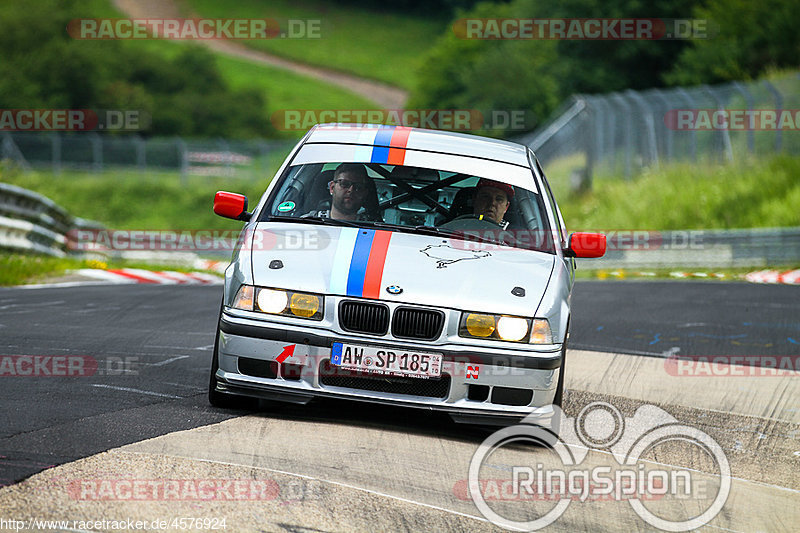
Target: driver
[(491, 201), (348, 190)]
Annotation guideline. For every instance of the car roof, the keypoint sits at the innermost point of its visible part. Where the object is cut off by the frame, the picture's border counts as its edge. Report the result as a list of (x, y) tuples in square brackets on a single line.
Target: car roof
[(445, 142)]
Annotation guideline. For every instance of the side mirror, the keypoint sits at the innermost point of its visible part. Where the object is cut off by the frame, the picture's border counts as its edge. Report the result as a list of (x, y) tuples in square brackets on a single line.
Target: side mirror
[(586, 245), (231, 205)]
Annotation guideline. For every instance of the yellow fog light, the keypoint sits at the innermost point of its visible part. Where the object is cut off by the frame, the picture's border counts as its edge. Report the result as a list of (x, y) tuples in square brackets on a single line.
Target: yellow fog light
[(480, 325), (304, 305), (244, 298), (511, 328), (541, 333), (272, 301)]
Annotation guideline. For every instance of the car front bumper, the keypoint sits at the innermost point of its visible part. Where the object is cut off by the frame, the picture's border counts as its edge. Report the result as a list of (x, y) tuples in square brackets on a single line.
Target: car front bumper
[(479, 384)]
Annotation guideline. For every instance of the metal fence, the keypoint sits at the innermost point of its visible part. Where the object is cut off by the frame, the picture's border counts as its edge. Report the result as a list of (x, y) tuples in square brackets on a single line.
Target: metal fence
[(756, 247), (620, 134), (101, 152)]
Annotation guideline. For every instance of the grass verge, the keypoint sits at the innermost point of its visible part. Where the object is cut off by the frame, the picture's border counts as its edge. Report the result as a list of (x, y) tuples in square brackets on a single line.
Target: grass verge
[(131, 200), (749, 194), (383, 45), (20, 269), (282, 89), (693, 274)]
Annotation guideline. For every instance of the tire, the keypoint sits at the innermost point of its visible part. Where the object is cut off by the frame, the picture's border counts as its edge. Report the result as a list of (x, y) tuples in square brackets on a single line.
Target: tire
[(222, 399), (558, 399)]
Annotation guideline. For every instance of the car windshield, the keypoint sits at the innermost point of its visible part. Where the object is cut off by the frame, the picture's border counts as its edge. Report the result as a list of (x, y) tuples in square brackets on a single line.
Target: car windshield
[(414, 200)]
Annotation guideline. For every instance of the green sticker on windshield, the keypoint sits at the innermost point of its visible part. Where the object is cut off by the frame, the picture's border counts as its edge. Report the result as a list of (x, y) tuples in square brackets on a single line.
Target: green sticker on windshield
[(286, 206)]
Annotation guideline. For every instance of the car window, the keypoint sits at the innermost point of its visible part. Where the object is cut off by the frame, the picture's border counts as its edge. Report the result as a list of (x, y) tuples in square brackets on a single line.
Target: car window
[(560, 227), (410, 199)]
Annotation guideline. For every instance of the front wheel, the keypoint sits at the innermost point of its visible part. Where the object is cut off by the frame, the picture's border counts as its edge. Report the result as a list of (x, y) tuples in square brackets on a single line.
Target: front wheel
[(224, 399), (559, 397)]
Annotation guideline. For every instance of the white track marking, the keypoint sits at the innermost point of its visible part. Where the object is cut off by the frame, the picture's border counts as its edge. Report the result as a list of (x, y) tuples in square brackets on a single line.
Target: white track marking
[(168, 361), (338, 483), (139, 391)]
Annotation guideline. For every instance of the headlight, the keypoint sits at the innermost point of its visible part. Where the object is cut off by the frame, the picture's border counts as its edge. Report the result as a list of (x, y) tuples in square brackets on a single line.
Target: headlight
[(244, 298), (304, 305), (505, 328), (479, 325), (540, 333), (497, 327), (279, 302), (272, 301), (511, 328)]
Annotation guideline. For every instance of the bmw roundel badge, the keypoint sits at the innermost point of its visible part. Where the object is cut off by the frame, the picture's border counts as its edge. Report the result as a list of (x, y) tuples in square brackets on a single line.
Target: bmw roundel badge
[(394, 289)]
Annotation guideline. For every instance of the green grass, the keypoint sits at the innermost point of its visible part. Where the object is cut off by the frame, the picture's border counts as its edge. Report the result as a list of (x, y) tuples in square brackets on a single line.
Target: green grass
[(695, 274), (16, 269), (382, 45), (130, 200), (282, 89), (751, 194), (20, 268)]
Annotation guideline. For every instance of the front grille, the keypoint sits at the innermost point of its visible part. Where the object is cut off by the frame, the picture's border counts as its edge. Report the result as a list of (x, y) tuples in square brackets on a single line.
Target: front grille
[(337, 377), (411, 323), (364, 317)]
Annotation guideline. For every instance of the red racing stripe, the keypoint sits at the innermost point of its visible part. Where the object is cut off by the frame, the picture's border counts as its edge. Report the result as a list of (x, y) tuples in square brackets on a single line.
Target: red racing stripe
[(377, 260), (397, 152)]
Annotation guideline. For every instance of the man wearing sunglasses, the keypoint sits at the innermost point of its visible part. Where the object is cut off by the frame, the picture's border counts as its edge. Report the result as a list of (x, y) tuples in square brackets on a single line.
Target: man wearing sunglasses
[(349, 189)]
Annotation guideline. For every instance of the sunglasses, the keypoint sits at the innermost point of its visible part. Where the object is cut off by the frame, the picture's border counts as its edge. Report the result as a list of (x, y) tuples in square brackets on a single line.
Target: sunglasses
[(346, 184)]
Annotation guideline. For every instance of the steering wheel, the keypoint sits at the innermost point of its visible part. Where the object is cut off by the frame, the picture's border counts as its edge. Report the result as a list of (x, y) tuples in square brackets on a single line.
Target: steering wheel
[(470, 216)]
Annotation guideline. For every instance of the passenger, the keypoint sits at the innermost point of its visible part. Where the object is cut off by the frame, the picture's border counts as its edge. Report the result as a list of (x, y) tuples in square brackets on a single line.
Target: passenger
[(491, 201)]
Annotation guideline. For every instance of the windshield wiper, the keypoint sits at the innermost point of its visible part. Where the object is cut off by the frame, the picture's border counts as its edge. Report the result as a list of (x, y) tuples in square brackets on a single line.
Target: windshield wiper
[(316, 220), (424, 229)]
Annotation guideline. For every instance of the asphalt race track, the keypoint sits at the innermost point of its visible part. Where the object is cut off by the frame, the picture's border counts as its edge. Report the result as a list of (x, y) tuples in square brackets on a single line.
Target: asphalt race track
[(143, 352)]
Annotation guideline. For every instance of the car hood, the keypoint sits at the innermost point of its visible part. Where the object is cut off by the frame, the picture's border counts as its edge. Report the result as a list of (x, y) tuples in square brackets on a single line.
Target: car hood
[(399, 267)]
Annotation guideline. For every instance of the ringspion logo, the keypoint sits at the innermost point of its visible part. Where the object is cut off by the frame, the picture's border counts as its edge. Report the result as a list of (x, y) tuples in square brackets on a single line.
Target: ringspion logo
[(562, 473)]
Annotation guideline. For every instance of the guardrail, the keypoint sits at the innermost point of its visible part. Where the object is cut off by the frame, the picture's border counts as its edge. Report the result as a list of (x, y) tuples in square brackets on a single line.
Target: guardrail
[(756, 247), (33, 223)]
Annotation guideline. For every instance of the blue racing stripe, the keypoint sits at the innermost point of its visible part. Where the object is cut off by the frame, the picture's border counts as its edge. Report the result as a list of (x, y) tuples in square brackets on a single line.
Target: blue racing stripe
[(380, 154), (358, 263), (384, 136)]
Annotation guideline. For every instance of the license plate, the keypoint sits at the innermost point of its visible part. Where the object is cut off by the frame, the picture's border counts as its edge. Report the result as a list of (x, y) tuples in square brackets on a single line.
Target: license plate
[(386, 361)]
